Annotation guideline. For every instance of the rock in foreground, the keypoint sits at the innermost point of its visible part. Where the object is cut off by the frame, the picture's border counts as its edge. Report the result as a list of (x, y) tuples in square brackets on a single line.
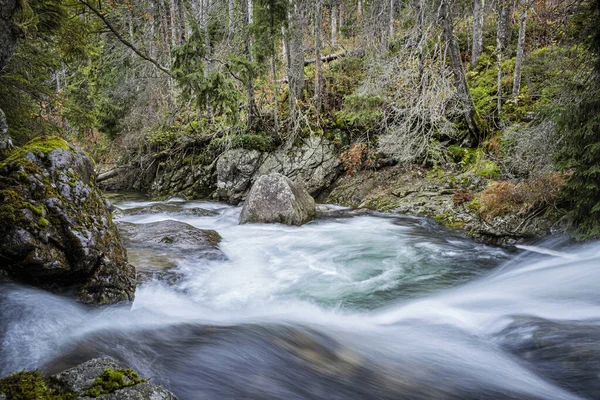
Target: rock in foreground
[(56, 231), (99, 378), (276, 199)]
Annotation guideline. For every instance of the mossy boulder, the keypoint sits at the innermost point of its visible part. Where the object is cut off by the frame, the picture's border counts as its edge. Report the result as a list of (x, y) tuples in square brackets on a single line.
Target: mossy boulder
[(56, 231)]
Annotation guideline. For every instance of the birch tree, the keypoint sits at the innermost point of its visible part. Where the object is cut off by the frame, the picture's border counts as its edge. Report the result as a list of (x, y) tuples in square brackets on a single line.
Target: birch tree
[(503, 16), (318, 27), (520, 50)]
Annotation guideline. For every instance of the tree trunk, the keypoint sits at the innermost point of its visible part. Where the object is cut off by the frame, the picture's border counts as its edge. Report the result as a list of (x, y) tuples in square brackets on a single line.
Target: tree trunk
[(419, 26), (231, 10), (501, 42), (318, 26), (164, 27), (458, 71), (360, 8), (173, 14), (274, 73), (520, 50), (181, 17), (251, 102), (334, 24), (151, 33), (478, 6), (296, 27), (391, 28), (5, 141)]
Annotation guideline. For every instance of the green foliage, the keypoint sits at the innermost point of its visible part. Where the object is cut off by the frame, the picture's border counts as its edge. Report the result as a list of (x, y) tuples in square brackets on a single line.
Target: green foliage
[(269, 17), (212, 91), (475, 161), (28, 84), (579, 130), (361, 112), (32, 385), (579, 127), (112, 380)]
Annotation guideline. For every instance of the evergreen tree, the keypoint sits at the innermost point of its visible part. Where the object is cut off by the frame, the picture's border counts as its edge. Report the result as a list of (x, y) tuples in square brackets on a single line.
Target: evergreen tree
[(579, 132)]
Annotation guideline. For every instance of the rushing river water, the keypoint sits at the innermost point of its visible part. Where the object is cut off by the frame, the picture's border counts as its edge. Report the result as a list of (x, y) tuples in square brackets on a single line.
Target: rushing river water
[(364, 307)]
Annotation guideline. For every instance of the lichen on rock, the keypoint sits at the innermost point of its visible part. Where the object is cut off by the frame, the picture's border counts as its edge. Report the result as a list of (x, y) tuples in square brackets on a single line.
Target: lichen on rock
[(56, 231)]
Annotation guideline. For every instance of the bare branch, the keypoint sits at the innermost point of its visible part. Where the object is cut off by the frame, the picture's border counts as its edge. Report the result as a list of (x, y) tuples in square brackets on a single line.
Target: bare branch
[(123, 40)]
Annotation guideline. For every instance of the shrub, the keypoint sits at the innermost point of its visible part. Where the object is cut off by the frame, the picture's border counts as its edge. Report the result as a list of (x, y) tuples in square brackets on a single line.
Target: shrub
[(462, 197), (535, 195), (356, 158)]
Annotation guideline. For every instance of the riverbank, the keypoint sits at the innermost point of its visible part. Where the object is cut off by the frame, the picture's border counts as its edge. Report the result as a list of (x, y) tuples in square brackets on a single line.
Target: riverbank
[(487, 208)]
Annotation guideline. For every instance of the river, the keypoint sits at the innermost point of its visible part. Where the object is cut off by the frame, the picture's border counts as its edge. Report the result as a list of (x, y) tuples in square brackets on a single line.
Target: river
[(372, 306)]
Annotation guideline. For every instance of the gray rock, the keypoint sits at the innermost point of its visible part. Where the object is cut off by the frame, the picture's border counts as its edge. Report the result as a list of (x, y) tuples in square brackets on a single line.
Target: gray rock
[(235, 170), (82, 376), (314, 164), (169, 209), (56, 231), (565, 352), (275, 198), (172, 235)]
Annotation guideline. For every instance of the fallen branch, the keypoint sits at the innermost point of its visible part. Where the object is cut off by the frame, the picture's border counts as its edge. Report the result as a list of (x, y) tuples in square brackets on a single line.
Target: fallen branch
[(108, 174), (335, 56), (123, 40)]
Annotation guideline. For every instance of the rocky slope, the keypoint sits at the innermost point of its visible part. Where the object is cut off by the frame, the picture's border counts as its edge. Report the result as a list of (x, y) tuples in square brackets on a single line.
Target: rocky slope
[(449, 197)]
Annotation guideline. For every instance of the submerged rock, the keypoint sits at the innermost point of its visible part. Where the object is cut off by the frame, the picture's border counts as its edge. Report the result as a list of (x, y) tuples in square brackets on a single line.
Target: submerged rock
[(56, 231), (169, 209), (275, 198), (172, 235), (565, 352)]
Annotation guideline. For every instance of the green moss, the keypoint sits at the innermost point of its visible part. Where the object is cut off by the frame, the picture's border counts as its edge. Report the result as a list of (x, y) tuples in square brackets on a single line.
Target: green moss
[(487, 169), (213, 237), (32, 385), (112, 380), (450, 220), (11, 207), (43, 144), (43, 222)]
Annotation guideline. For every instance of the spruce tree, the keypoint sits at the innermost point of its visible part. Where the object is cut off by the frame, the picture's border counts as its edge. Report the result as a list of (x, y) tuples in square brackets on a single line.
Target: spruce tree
[(579, 130)]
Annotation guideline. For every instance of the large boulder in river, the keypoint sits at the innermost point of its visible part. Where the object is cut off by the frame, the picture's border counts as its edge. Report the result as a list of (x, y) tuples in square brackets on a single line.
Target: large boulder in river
[(56, 231), (274, 198)]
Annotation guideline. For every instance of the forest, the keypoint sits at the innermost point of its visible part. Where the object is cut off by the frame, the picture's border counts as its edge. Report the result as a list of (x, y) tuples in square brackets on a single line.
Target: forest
[(293, 199), (506, 89)]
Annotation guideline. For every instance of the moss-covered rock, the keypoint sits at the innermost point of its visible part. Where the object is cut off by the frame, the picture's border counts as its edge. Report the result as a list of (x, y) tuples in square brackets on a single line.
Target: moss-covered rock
[(29, 385), (56, 231), (99, 378), (112, 380)]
